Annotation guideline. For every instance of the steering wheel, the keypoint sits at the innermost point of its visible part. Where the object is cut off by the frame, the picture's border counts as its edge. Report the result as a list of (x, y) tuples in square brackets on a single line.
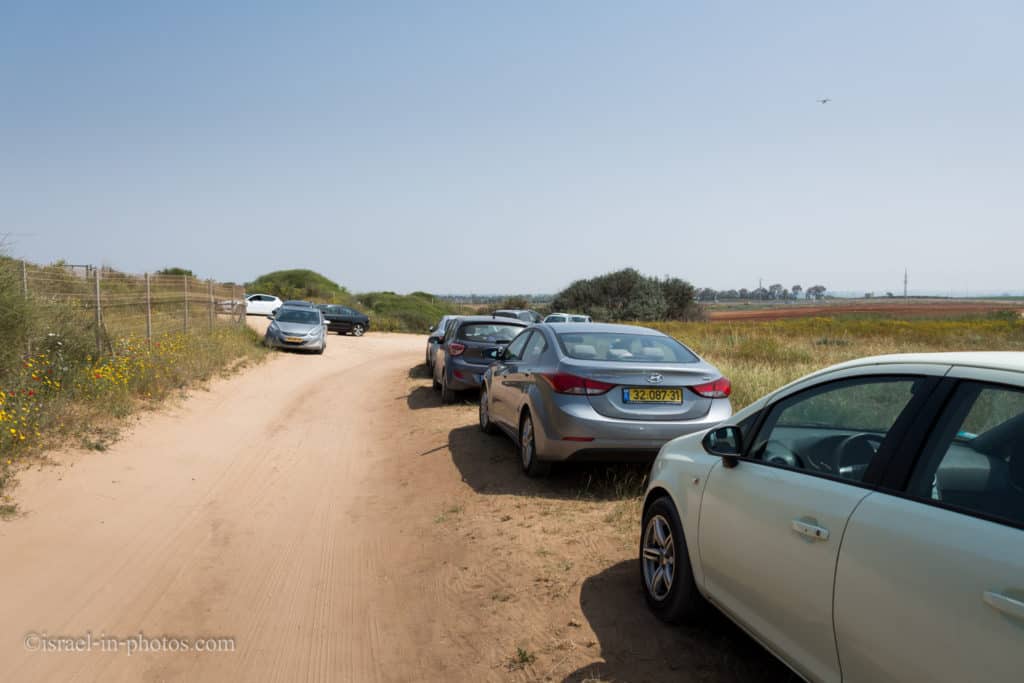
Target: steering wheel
[(777, 453), (854, 454)]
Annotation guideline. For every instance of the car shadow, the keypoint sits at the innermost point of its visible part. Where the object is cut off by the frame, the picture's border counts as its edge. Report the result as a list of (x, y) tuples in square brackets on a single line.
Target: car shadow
[(637, 646), (423, 397), (490, 465)]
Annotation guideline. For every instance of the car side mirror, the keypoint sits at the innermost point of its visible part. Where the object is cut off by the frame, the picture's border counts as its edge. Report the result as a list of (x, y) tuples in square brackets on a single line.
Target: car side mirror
[(725, 442)]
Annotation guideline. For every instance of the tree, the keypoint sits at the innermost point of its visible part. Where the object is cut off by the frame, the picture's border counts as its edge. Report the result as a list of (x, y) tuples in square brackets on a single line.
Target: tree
[(776, 292), (744, 293), (629, 295), (796, 289), (816, 292), (176, 271)]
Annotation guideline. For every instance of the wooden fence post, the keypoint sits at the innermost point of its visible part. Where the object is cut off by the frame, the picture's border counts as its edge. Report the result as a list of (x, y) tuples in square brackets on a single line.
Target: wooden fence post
[(99, 313), (186, 302), (149, 314), (209, 286)]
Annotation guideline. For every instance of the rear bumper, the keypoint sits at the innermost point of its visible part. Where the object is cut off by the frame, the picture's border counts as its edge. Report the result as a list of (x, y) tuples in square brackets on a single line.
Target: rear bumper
[(463, 376), (610, 438)]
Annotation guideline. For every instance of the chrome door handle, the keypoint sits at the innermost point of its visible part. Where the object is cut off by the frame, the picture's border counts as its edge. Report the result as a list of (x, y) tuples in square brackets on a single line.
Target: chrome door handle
[(818, 533), (1004, 604)]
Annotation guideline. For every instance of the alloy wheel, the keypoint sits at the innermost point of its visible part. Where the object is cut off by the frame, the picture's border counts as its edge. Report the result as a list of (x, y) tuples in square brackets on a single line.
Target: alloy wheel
[(659, 557)]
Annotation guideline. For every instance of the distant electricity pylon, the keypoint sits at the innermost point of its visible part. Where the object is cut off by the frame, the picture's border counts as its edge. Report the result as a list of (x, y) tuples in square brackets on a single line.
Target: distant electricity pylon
[(904, 283)]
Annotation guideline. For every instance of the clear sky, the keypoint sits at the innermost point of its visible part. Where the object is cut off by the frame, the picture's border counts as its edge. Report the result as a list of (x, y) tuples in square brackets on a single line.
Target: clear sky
[(514, 147)]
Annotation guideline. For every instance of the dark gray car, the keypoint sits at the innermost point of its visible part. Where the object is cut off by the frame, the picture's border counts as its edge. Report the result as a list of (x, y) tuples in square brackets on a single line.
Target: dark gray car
[(598, 391), (470, 344)]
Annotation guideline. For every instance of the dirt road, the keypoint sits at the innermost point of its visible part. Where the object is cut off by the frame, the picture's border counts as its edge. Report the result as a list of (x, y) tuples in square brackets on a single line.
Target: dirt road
[(332, 520)]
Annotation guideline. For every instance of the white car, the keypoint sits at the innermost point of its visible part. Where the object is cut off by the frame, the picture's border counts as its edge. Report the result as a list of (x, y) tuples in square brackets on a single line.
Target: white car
[(261, 304), (567, 318), (864, 523)]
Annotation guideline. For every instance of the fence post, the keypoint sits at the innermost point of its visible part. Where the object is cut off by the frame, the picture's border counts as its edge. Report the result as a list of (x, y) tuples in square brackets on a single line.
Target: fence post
[(209, 286), (149, 314), (99, 313), (186, 302), (24, 278), (237, 305)]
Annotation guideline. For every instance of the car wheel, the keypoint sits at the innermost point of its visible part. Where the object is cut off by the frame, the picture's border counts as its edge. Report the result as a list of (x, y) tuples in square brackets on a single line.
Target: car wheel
[(433, 377), (447, 395), (320, 351), (528, 449), (665, 571), (357, 330), (486, 426)]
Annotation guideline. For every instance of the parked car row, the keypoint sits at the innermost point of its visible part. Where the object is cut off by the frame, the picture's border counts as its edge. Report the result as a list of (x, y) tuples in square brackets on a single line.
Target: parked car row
[(302, 325), (577, 391), (864, 523)]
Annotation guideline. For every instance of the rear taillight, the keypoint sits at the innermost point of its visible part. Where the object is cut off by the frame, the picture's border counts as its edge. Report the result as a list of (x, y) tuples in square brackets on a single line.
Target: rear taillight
[(720, 388), (456, 349), (564, 383)]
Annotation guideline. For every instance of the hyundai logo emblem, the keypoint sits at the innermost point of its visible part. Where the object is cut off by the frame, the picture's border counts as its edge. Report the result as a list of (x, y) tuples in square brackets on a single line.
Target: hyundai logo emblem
[(656, 378)]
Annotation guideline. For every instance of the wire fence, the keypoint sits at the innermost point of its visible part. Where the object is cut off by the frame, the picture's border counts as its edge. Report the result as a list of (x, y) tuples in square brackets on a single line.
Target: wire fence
[(120, 305)]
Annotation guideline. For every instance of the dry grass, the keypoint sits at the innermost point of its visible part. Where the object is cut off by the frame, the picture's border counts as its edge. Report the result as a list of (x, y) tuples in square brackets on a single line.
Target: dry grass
[(761, 356)]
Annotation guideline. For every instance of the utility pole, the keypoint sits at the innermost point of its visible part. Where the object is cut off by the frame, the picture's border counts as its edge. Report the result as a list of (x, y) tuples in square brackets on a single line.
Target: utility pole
[(905, 283)]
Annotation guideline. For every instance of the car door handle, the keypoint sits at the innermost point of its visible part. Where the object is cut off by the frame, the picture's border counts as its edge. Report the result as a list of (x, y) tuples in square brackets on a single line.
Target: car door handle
[(1004, 604), (818, 533)]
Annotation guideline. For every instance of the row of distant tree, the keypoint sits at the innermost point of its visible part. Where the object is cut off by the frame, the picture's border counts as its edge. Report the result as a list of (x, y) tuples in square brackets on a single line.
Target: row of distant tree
[(776, 292)]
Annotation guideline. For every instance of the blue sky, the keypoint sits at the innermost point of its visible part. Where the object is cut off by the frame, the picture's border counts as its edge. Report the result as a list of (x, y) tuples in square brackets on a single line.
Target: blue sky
[(472, 147)]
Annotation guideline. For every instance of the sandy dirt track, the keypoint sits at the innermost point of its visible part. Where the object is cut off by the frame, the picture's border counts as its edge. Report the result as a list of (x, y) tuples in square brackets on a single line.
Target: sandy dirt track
[(332, 518)]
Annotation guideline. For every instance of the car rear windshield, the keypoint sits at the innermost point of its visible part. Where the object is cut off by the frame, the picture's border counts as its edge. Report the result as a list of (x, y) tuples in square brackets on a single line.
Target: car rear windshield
[(489, 332), (624, 347), (580, 319), (298, 315), (556, 319)]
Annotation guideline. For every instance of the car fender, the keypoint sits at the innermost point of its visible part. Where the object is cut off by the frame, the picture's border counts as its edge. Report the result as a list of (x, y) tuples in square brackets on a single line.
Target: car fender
[(681, 471)]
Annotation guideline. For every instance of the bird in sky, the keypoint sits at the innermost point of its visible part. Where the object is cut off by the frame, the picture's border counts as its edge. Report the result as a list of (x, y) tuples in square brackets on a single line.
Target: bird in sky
[(825, 100)]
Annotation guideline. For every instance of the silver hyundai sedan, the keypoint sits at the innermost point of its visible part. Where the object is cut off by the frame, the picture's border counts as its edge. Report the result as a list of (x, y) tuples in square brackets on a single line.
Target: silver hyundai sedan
[(296, 327), (581, 391)]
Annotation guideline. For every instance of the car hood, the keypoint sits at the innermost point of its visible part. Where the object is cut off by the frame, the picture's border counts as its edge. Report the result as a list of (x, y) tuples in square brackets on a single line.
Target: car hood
[(298, 329)]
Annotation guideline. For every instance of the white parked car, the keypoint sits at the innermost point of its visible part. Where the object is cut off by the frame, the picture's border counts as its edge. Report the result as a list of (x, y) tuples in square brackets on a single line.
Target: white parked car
[(261, 304), (864, 523), (567, 318)]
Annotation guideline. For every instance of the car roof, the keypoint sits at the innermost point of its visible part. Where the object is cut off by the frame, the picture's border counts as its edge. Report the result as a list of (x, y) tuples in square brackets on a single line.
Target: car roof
[(611, 328), (993, 360), (492, 319)]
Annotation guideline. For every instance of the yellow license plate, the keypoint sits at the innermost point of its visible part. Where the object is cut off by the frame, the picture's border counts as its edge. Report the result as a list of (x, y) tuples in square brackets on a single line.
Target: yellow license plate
[(652, 395), (294, 340)]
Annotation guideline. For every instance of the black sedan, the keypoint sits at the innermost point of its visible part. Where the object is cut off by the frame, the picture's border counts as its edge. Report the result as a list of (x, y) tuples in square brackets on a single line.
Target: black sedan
[(344, 320)]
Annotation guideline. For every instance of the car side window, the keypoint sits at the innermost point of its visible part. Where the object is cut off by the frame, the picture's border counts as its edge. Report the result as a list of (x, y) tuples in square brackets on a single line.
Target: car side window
[(514, 351), (535, 349), (974, 460), (836, 429)]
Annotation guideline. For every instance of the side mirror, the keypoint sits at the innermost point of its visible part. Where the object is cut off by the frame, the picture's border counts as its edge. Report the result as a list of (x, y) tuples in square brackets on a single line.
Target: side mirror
[(725, 442)]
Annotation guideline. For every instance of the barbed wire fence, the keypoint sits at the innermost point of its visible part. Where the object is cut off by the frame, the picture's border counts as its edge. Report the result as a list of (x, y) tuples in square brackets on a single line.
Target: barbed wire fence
[(148, 306)]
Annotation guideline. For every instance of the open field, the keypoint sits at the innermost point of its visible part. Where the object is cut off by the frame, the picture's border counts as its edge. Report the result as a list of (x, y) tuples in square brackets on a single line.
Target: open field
[(329, 515), (898, 307)]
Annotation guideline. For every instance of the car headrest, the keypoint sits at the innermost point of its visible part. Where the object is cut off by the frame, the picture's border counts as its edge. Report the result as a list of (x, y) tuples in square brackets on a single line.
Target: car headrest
[(653, 352), (584, 351)]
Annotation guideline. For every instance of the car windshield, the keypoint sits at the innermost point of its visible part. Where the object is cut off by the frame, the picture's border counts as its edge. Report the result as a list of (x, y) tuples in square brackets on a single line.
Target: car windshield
[(555, 319), (489, 332), (579, 318), (298, 315), (625, 347)]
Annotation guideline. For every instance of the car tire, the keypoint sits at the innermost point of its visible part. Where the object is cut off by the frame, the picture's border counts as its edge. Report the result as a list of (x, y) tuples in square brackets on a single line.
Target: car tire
[(435, 383), (358, 330), (447, 395), (486, 426), (527, 449), (321, 350), (673, 597)]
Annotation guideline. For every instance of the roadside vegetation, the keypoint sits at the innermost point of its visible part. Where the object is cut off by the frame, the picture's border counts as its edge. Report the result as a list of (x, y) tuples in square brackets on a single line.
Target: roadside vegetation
[(628, 295), (55, 389)]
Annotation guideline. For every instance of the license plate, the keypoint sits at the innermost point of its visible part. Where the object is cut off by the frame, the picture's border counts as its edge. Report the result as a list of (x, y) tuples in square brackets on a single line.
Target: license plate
[(293, 340), (652, 395)]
